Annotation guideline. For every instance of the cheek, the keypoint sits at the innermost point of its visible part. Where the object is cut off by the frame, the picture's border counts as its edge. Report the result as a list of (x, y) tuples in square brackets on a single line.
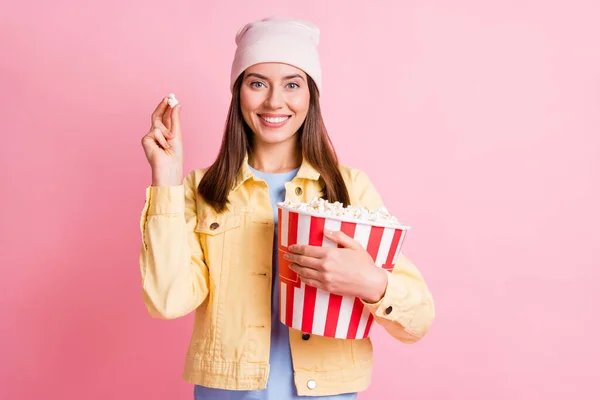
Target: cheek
[(247, 105), (300, 104)]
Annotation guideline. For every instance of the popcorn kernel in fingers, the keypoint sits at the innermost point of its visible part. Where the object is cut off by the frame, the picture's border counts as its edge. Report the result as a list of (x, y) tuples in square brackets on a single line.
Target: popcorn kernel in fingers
[(172, 100)]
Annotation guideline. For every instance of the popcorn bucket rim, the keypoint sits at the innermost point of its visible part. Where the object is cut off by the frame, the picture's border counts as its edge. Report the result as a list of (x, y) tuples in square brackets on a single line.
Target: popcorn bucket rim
[(399, 225)]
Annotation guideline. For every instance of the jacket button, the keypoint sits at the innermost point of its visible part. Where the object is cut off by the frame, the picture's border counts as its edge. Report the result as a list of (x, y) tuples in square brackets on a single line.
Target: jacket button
[(214, 226), (311, 384), (298, 191), (305, 336), (388, 310)]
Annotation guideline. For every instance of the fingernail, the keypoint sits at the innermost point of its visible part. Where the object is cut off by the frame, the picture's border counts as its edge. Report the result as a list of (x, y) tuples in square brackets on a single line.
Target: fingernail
[(328, 232), (286, 256)]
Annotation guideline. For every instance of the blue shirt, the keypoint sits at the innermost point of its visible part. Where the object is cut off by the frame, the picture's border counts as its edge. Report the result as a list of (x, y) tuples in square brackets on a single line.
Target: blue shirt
[(280, 385)]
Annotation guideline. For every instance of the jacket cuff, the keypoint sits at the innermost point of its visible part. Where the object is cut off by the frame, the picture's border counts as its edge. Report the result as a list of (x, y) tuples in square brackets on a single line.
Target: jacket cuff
[(165, 200), (390, 305)]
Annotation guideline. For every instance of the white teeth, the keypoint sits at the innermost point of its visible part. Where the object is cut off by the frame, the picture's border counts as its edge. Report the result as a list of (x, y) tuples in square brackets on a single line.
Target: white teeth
[(274, 120)]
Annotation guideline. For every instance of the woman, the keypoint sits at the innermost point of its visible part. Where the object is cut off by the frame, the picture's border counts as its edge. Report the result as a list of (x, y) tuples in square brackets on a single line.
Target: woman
[(209, 240)]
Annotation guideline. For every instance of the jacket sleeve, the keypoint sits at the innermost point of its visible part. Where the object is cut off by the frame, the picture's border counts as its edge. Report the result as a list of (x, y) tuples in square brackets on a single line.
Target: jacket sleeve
[(174, 273), (406, 310)]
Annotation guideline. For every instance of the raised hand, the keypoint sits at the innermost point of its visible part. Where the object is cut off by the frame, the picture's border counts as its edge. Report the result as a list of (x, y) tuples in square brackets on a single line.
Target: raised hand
[(163, 145)]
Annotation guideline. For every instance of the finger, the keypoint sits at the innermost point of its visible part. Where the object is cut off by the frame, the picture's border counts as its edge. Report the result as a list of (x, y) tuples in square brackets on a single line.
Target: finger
[(314, 283), (175, 120), (163, 129), (166, 118), (160, 138), (342, 239), (308, 275), (310, 251), (304, 261), (160, 110)]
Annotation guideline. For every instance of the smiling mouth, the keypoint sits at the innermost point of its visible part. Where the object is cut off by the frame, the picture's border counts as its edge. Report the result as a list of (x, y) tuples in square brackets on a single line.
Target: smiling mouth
[(275, 120)]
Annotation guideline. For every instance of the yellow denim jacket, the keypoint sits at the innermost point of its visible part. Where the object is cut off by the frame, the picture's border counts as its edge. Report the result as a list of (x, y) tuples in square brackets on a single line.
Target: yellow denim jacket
[(220, 267)]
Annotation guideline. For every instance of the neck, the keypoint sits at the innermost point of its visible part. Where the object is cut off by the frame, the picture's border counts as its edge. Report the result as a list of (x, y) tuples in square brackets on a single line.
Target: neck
[(273, 159)]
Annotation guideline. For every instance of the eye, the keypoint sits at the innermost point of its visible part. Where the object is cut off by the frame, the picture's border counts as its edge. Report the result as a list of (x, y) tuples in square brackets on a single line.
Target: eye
[(257, 84), (293, 85)]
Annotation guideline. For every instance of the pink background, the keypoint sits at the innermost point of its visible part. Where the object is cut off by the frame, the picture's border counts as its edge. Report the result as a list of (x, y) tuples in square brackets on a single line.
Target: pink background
[(478, 121)]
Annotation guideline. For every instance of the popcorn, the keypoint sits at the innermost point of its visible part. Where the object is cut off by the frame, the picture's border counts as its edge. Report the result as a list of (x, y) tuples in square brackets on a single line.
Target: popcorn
[(172, 100), (323, 208)]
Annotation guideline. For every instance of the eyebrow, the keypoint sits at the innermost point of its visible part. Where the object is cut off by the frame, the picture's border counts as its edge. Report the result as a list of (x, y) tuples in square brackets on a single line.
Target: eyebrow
[(285, 78)]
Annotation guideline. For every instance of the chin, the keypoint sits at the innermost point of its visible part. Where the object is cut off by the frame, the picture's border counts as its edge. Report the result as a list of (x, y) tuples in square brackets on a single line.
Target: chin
[(273, 137), (273, 140)]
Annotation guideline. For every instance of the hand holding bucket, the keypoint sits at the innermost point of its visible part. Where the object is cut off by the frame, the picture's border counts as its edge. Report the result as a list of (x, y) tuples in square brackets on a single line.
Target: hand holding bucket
[(316, 311)]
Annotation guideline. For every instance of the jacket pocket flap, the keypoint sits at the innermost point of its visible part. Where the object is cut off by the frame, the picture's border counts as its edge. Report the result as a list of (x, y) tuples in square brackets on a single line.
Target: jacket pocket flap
[(215, 224)]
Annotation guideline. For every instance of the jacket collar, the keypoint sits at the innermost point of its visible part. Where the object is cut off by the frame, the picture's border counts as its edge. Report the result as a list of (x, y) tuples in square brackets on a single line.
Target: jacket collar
[(306, 171)]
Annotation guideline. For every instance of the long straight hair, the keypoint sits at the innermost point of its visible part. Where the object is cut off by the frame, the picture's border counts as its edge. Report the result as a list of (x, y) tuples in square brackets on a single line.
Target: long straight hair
[(315, 142)]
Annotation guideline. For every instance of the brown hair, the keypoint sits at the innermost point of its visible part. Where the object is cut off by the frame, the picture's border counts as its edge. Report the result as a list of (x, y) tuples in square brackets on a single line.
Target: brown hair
[(316, 145)]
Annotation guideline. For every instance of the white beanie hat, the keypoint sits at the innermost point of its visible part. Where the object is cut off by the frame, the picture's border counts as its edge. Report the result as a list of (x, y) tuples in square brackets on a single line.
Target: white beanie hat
[(275, 39)]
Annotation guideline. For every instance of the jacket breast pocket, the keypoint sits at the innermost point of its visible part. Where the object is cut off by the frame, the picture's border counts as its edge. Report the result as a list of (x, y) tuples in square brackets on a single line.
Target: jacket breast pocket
[(219, 234)]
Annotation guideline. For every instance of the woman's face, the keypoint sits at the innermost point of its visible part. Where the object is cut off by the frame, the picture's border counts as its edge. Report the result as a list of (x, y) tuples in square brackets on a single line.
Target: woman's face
[(274, 98)]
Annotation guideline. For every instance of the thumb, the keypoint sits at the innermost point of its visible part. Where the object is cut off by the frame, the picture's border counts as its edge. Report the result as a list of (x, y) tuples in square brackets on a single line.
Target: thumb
[(342, 239)]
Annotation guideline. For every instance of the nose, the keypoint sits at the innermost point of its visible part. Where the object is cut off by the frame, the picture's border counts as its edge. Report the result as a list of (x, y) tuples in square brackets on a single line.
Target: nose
[(274, 100)]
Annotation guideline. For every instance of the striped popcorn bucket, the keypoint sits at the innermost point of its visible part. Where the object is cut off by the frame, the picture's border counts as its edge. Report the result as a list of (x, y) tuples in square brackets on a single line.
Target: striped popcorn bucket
[(311, 310)]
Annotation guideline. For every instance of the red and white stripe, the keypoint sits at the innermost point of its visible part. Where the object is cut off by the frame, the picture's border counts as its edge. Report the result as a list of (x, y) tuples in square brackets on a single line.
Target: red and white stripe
[(313, 310)]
